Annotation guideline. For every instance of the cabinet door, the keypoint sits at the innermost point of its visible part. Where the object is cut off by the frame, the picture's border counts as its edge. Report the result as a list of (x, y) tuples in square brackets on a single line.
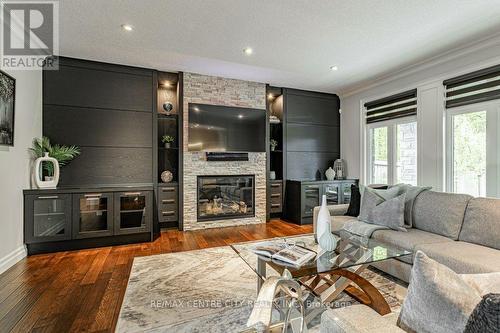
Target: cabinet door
[(310, 198), (92, 215), (133, 212), (346, 192), (332, 194), (47, 218)]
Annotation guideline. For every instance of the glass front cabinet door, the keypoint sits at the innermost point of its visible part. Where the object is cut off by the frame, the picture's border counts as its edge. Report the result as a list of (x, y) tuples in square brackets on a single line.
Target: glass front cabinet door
[(311, 198), (133, 212), (48, 218), (332, 194), (93, 215)]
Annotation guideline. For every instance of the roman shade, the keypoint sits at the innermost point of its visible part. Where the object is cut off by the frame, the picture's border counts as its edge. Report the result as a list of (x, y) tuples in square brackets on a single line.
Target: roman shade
[(392, 107), (475, 87)]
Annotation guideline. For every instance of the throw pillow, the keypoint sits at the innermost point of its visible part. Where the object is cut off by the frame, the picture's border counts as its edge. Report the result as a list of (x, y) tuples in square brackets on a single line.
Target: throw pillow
[(355, 202), (369, 200), (486, 316), (411, 193), (438, 299), (389, 213)]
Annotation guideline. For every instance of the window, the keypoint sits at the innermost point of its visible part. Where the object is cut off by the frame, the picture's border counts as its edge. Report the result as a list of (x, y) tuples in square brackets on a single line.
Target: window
[(392, 152), (472, 141), (391, 139)]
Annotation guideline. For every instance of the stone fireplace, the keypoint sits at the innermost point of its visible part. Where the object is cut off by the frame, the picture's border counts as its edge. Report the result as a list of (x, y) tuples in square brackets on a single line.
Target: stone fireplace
[(229, 210), (224, 197)]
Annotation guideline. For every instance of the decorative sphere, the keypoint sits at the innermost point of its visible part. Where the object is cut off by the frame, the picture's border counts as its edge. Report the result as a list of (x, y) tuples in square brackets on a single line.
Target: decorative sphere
[(166, 176), (167, 106)]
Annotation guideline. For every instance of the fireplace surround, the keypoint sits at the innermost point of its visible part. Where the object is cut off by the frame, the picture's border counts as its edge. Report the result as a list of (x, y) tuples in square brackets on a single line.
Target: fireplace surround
[(225, 197)]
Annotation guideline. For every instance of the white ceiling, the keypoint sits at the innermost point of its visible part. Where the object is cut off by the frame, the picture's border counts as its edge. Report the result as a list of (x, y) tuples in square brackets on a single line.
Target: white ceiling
[(294, 41)]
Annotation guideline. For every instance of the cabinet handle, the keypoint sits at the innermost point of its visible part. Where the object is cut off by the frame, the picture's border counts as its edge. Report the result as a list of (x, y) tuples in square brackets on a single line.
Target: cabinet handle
[(203, 200), (167, 201), (49, 197), (275, 185), (168, 213), (132, 193), (311, 191), (168, 189), (275, 195), (96, 195), (275, 205)]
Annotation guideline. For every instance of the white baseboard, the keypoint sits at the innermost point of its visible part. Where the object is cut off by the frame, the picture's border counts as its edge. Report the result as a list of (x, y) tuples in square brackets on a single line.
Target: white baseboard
[(12, 258)]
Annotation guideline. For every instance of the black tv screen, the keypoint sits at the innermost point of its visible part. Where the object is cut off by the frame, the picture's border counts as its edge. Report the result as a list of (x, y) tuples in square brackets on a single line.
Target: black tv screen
[(214, 128)]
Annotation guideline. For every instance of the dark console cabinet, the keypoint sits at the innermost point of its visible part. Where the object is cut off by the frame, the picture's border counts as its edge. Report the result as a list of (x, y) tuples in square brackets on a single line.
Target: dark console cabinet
[(66, 219), (303, 196)]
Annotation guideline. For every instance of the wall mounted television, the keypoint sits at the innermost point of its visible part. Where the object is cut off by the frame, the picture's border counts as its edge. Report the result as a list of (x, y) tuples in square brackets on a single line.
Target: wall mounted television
[(216, 128)]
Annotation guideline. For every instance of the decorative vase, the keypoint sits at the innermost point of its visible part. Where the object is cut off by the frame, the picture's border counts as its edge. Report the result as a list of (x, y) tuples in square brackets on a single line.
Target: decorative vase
[(272, 175), (330, 174), (166, 176), (273, 148), (167, 144), (49, 182), (324, 236)]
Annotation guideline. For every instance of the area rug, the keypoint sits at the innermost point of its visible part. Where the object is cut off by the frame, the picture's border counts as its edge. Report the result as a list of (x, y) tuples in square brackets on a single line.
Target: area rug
[(208, 290)]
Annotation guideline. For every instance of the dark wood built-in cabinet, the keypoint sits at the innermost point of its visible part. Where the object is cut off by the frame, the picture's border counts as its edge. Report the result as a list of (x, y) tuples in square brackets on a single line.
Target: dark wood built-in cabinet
[(78, 218), (303, 196)]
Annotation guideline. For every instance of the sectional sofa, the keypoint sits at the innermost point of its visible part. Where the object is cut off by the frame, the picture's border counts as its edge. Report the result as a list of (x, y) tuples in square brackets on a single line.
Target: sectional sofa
[(456, 230)]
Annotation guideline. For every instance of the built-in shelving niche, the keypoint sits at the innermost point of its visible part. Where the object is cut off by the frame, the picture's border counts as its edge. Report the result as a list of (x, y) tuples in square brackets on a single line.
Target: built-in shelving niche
[(169, 90), (276, 157)]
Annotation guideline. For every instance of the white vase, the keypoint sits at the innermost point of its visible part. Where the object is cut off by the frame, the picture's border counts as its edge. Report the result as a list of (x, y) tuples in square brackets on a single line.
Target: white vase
[(330, 174), (50, 182), (272, 175), (326, 239)]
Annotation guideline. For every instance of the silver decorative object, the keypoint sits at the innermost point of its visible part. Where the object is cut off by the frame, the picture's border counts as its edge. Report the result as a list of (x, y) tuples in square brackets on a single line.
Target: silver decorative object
[(168, 107), (166, 176), (339, 168)]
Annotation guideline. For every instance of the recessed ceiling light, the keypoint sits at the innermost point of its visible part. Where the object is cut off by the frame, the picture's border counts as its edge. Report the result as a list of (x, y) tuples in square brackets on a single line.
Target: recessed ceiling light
[(270, 96), (240, 116), (127, 27), (334, 68), (248, 50)]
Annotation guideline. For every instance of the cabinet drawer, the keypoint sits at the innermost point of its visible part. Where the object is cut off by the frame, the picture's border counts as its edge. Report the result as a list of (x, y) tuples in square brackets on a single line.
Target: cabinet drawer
[(167, 192), (276, 207), (276, 198), (276, 187), (167, 212)]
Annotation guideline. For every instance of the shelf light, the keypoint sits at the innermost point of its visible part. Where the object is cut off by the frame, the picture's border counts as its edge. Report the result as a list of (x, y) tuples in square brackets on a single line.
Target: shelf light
[(127, 27)]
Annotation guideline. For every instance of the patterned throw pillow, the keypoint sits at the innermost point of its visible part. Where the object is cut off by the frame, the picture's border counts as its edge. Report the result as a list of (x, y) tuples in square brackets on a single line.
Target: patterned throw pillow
[(486, 316)]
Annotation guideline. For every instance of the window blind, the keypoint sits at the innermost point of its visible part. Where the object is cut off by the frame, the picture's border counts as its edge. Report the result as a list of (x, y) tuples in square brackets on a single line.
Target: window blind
[(475, 87), (392, 107)]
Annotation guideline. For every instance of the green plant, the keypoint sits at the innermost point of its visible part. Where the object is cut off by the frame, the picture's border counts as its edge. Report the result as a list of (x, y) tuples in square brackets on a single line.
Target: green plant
[(273, 143), (63, 154), (167, 139)]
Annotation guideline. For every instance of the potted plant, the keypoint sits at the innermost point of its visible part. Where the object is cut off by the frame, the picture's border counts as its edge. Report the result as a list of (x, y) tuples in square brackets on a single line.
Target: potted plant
[(274, 144), (63, 155), (167, 140)]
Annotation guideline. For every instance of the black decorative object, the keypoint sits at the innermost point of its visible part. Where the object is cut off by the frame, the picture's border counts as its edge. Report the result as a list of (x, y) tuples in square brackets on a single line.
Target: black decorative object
[(355, 202), (168, 107), (486, 316), (7, 103)]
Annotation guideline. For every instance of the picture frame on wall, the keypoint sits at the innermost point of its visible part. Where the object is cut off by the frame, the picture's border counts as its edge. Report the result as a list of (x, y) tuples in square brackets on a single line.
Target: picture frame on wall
[(7, 105)]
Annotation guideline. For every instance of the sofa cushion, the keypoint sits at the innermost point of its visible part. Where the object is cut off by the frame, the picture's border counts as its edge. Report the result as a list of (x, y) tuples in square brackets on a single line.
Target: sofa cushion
[(358, 318), (440, 213), (408, 240), (462, 257), (482, 222), (338, 222), (438, 299)]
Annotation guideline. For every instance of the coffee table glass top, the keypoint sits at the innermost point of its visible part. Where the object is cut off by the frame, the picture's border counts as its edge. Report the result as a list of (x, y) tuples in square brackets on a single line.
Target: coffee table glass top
[(351, 251)]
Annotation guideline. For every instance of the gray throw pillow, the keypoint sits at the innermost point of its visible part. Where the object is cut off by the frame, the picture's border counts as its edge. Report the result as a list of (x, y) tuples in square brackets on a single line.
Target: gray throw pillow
[(389, 213), (369, 200), (438, 300), (411, 193)]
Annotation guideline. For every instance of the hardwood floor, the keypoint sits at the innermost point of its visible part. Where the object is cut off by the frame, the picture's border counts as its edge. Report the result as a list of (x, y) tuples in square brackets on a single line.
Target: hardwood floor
[(83, 290)]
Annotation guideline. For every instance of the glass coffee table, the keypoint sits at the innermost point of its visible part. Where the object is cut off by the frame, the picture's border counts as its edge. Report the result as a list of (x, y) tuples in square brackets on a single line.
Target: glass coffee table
[(330, 273)]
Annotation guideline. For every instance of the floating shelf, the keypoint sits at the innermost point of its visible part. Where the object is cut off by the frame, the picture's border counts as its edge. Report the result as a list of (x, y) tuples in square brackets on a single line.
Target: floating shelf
[(171, 148)]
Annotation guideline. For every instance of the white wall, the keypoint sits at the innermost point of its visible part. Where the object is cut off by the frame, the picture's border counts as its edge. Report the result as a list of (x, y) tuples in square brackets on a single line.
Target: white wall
[(428, 78), (15, 165)]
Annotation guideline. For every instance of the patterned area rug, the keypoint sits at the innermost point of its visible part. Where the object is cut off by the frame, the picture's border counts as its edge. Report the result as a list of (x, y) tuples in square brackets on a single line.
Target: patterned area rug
[(208, 290)]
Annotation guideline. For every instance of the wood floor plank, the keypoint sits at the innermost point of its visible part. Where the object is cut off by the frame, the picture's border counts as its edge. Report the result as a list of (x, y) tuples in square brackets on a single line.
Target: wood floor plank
[(83, 290)]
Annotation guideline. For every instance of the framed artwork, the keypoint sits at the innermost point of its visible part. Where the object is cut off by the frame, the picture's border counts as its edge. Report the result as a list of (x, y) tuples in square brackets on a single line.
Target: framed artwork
[(7, 103)]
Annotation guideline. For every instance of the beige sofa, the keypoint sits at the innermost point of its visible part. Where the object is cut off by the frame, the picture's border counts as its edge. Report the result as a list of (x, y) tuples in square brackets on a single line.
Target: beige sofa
[(456, 230)]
